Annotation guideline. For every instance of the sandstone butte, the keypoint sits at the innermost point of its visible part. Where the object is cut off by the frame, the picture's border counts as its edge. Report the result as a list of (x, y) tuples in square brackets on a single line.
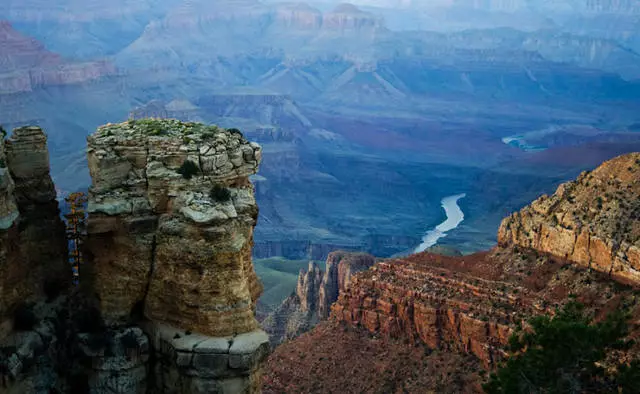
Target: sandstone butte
[(168, 291), (431, 323)]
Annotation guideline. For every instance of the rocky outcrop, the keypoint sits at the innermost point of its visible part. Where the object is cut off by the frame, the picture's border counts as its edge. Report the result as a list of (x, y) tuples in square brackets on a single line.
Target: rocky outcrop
[(341, 266), (314, 294), (32, 235), (207, 364), (349, 17), (593, 221), (170, 228), (442, 309)]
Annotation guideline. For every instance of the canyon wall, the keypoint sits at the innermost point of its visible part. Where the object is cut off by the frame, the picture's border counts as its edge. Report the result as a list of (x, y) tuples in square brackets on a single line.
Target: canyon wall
[(442, 308), (315, 292), (32, 235), (170, 229), (593, 221), (26, 65), (466, 307)]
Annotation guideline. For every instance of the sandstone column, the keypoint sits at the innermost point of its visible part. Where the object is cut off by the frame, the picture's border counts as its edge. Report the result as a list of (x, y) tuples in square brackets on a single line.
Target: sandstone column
[(171, 218), (32, 235)]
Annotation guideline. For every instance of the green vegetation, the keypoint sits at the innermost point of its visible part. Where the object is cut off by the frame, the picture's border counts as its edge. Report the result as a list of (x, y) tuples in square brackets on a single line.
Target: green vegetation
[(188, 169), (150, 126), (235, 131), (187, 131), (220, 193), (563, 355), (3, 131)]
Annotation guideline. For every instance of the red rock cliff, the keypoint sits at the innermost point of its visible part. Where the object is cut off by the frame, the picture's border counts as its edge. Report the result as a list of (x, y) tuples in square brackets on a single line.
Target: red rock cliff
[(470, 304), (593, 221)]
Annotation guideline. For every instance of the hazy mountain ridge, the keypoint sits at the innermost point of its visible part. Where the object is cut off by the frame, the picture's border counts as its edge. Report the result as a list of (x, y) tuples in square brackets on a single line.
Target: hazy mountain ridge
[(341, 99)]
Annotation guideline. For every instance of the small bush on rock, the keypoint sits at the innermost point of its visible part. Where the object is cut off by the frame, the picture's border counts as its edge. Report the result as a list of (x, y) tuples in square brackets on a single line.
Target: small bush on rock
[(235, 131), (220, 193), (565, 354), (188, 169)]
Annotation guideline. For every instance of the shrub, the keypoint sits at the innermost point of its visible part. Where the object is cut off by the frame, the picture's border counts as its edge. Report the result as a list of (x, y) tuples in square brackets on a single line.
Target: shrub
[(562, 355), (188, 169), (235, 131), (3, 131), (23, 318), (220, 193)]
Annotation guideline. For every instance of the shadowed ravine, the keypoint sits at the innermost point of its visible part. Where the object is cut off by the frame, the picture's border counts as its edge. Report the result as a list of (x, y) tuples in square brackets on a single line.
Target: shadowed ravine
[(455, 216)]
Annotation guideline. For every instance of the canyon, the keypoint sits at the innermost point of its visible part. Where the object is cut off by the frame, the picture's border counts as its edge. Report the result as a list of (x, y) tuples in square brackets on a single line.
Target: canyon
[(335, 93), (469, 306), (25, 65)]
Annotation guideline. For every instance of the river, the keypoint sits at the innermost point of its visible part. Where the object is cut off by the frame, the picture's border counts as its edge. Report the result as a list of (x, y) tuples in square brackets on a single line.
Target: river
[(455, 216)]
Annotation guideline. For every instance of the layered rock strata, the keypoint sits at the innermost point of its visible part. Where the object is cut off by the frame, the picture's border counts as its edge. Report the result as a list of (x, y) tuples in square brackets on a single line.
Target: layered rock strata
[(26, 65), (593, 221), (32, 235), (314, 294), (171, 214), (441, 308)]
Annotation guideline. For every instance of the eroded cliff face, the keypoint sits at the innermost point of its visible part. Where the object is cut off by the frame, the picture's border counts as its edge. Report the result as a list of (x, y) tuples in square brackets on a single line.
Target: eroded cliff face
[(181, 251), (314, 294), (469, 305), (593, 221), (170, 220), (26, 65), (32, 235)]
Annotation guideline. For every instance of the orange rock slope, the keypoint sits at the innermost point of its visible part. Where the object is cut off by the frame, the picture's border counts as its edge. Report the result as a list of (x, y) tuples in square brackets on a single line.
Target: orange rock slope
[(470, 305)]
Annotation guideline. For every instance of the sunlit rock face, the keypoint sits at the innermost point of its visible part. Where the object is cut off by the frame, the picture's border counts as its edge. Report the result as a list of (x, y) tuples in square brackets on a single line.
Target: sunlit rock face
[(175, 246), (170, 229), (592, 221)]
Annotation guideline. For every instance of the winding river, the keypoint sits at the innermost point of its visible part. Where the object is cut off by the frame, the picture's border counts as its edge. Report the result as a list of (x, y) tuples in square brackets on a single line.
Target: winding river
[(455, 216)]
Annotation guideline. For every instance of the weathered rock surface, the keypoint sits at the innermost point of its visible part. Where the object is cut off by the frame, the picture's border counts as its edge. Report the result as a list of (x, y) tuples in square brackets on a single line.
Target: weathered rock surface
[(341, 266), (32, 235), (442, 309), (207, 364), (593, 221), (171, 214), (314, 294), (182, 254)]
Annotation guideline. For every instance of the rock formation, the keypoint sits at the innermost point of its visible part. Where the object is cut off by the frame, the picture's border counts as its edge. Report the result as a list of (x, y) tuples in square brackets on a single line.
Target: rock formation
[(170, 231), (32, 237), (314, 294), (593, 221), (168, 291)]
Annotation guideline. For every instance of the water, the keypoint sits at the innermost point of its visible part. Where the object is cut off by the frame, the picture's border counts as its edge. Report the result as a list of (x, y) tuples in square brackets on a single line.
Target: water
[(455, 216)]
